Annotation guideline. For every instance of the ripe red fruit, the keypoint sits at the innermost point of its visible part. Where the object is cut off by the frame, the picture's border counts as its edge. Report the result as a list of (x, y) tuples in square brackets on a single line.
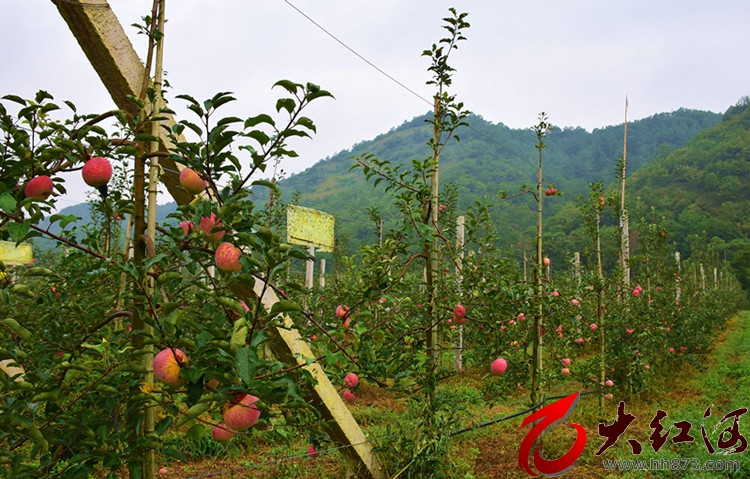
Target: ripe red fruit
[(206, 225), (311, 451), (187, 227), (441, 207), (191, 181), (609, 383), (351, 380), (546, 261), (593, 326), (566, 361), (341, 310), (548, 192), (39, 187), (227, 258), (499, 366), (579, 341), (349, 396), (97, 171), (221, 433), (565, 371), (459, 311), (167, 367), (242, 414)]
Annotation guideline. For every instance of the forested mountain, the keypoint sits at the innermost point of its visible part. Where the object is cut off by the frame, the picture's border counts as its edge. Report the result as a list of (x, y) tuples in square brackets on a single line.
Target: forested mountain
[(490, 158), (688, 170), (702, 191)]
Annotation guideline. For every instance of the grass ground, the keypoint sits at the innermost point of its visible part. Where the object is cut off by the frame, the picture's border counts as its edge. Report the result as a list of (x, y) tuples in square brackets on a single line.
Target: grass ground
[(684, 394)]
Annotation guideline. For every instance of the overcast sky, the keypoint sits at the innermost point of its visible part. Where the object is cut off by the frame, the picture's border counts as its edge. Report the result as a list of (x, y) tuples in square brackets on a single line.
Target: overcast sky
[(576, 60)]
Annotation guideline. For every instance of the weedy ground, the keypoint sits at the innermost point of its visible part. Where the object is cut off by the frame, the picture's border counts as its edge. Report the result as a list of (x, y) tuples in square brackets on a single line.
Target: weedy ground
[(491, 452)]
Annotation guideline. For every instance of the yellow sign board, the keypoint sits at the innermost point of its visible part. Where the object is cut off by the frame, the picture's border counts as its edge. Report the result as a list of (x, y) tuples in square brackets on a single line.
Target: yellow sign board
[(309, 227), (10, 254)]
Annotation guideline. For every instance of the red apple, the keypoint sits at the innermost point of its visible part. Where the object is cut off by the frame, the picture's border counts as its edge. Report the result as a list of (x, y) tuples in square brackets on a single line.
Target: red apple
[(311, 451), (499, 366), (546, 261), (187, 227), (39, 187), (608, 396), (521, 317), (548, 192), (459, 311), (593, 326), (97, 171), (206, 225), (221, 433), (575, 302), (579, 341), (191, 181), (241, 413), (566, 361), (555, 293), (671, 350), (167, 367), (349, 396), (441, 208), (609, 383), (227, 258), (565, 371), (341, 310), (351, 380), (647, 367)]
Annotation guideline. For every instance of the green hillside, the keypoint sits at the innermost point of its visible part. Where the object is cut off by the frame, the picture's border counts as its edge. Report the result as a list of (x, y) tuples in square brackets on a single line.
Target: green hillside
[(702, 190), (490, 158)]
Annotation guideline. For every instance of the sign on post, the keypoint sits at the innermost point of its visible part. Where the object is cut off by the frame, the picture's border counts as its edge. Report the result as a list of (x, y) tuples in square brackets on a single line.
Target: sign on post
[(12, 254), (309, 227)]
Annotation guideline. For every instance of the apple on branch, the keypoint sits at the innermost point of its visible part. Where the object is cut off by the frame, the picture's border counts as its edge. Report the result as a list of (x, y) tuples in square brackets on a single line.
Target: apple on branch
[(227, 258), (241, 413), (167, 366), (191, 181), (39, 187)]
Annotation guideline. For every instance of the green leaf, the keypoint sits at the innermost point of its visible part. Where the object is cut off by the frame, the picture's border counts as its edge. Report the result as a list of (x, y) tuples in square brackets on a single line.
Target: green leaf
[(195, 392), (194, 411), (162, 426), (7, 203), (239, 333), (288, 85), (170, 451), (15, 98), (196, 432), (18, 231), (144, 137), (39, 271), (16, 327), (259, 136), (167, 277), (287, 104), (263, 118), (285, 306), (244, 364)]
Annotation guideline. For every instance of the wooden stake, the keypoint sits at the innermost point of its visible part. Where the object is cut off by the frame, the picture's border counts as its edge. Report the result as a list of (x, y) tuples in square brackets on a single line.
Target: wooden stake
[(460, 238), (624, 222)]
